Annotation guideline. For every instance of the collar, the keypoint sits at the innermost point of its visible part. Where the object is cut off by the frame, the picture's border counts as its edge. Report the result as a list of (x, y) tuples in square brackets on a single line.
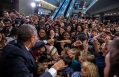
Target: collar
[(27, 48)]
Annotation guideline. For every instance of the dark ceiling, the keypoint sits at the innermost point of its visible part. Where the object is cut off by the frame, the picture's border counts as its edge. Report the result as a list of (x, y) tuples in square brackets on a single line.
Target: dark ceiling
[(103, 6)]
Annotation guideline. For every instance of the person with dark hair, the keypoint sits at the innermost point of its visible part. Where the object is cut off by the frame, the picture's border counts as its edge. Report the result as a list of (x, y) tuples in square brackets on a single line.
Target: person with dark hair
[(65, 42), (17, 59), (39, 52), (6, 14), (82, 44), (39, 69), (45, 61), (67, 60), (41, 25), (7, 28), (42, 34), (112, 58), (14, 33), (61, 74), (79, 28)]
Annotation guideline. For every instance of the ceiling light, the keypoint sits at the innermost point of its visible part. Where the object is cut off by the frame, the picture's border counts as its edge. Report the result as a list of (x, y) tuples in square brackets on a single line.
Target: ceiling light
[(114, 13), (33, 4), (39, 5), (37, 0)]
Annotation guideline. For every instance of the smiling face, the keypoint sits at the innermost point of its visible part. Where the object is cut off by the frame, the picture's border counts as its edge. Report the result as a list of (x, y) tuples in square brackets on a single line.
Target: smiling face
[(52, 32), (41, 50), (66, 36), (7, 24), (42, 33), (62, 30)]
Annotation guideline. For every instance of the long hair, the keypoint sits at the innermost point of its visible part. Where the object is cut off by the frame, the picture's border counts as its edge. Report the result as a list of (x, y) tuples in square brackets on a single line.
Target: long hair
[(114, 58)]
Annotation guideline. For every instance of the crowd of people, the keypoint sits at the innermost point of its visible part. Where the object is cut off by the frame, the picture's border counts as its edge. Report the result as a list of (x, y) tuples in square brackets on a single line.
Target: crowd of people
[(38, 46)]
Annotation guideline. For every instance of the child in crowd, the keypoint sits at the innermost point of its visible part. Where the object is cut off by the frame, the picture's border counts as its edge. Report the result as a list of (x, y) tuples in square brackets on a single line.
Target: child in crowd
[(40, 69), (68, 60), (45, 62)]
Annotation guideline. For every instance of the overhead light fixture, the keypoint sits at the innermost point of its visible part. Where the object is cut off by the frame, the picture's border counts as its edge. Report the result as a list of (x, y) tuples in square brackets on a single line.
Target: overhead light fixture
[(37, 0), (39, 5), (33, 4), (114, 13)]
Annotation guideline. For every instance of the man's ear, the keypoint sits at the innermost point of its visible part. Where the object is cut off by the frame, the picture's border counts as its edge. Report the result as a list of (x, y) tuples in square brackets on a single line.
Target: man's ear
[(31, 39)]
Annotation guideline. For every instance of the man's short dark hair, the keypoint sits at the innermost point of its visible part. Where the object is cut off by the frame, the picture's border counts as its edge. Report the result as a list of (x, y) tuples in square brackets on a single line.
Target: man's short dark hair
[(94, 30), (42, 22), (81, 36), (6, 20), (67, 60), (62, 74), (25, 32)]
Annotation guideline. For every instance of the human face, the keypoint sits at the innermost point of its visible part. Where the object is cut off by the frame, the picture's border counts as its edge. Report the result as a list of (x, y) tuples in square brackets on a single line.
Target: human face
[(41, 50), (98, 45), (73, 34), (107, 61), (68, 28), (45, 64), (66, 36), (6, 15), (62, 30), (52, 32), (79, 28), (42, 33), (94, 33), (7, 24), (63, 52), (103, 46), (108, 29)]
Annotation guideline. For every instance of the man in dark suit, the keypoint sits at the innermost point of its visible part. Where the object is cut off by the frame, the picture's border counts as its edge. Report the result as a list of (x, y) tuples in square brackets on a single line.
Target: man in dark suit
[(17, 59), (7, 28)]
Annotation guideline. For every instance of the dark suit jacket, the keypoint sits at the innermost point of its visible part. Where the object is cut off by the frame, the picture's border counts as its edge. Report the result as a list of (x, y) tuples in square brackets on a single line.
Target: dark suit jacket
[(4, 30), (17, 61)]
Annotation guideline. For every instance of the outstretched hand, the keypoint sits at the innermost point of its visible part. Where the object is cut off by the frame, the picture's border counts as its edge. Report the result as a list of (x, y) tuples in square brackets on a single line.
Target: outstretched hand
[(60, 65)]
